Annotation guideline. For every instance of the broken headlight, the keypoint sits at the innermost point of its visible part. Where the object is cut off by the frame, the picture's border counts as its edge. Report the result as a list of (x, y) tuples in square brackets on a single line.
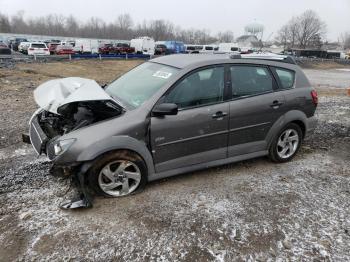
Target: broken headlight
[(61, 146)]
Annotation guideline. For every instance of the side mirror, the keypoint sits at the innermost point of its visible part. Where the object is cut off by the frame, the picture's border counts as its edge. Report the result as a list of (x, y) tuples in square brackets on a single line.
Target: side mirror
[(165, 109)]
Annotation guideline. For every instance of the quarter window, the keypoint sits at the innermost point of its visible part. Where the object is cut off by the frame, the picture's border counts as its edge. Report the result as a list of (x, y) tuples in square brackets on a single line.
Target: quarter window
[(200, 88), (250, 80), (286, 77)]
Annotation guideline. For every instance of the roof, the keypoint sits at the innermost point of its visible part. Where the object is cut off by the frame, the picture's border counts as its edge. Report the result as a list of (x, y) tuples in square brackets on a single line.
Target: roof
[(186, 60), (245, 37)]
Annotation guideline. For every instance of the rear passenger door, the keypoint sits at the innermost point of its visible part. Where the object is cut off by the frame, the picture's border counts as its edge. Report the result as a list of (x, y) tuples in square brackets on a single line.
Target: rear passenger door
[(254, 108)]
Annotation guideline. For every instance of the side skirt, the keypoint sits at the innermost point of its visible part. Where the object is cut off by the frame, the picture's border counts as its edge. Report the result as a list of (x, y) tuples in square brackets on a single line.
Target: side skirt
[(206, 165)]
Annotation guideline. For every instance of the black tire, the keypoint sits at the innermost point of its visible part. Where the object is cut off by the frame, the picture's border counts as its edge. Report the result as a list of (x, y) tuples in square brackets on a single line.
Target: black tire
[(94, 172), (273, 151)]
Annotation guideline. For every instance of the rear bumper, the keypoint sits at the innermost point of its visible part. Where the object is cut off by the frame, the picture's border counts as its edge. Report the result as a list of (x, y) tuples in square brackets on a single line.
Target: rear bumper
[(311, 125)]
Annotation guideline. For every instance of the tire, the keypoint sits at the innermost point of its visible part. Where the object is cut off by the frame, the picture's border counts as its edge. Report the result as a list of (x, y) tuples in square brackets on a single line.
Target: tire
[(289, 139), (130, 179)]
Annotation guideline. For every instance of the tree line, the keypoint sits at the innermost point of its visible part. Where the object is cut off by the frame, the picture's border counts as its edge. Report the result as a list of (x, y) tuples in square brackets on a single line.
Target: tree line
[(303, 31), (122, 28)]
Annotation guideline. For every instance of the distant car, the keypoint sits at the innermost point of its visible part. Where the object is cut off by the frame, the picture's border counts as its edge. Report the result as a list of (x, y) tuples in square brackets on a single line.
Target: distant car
[(4, 50), (64, 50), (52, 47), (160, 49), (23, 47), (106, 49), (171, 115), (123, 48), (38, 48), (208, 49), (15, 43), (193, 49)]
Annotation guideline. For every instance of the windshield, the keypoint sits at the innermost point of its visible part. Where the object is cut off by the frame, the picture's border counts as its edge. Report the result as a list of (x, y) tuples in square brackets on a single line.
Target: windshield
[(141, 83)]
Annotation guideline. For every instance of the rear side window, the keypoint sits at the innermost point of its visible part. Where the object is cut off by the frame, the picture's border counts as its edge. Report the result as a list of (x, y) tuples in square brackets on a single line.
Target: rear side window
[(38, 45), (209, 48), (286, 77), (250, 80)]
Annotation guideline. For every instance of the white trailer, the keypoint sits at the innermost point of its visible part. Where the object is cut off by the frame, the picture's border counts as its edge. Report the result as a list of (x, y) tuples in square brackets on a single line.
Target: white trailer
[(229, 47), (143, 45), (87, 46)]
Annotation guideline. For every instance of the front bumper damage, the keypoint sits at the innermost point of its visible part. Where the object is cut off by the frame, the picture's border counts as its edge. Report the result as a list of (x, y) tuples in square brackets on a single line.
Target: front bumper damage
[(75, 171)]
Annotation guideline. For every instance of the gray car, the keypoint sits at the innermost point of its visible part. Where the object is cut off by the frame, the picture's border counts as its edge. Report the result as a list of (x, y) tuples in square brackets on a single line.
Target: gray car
[(172, 115)]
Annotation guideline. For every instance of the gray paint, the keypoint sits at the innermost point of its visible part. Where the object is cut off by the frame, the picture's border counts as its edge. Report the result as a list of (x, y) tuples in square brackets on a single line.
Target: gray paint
[(192, 139)]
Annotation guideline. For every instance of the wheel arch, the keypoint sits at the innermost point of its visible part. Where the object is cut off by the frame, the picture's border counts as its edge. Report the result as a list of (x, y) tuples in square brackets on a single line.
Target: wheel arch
[(118, 143), (293, 116)]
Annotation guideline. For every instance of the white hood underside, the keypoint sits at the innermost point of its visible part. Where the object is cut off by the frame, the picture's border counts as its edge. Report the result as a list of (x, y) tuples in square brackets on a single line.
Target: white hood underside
[(55, 93)]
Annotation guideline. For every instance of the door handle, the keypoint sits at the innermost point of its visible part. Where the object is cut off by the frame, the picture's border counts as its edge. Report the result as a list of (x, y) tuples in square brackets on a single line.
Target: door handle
[(219, 114), (276, 104)]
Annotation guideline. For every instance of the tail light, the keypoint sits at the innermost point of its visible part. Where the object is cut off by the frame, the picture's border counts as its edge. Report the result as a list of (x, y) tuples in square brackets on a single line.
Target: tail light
[(314, 97), (31, 49), (45, 49)]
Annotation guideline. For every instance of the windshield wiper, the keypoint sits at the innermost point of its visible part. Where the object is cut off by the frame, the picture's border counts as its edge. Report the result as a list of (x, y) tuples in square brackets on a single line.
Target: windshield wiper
[(120, 102)]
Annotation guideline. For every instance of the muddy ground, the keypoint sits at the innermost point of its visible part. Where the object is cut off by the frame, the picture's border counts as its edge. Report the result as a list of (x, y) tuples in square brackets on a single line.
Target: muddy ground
[(253, 210)]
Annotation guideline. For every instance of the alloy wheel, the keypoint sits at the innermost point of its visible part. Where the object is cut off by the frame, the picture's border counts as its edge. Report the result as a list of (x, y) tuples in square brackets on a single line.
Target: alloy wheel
[(119, 178), (288, 143)]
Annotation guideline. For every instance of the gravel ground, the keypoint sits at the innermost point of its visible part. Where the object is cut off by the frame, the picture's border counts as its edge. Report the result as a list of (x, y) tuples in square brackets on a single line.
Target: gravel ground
[(326, 79), (252, 210)]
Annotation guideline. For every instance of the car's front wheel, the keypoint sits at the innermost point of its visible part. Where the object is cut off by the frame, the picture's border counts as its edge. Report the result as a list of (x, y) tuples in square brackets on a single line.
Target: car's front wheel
[(286, 143), (117, 174)]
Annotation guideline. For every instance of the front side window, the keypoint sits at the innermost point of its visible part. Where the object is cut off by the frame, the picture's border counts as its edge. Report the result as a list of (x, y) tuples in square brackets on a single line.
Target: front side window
[(199, 88), (286, 77), (250, 80), (141, 83)]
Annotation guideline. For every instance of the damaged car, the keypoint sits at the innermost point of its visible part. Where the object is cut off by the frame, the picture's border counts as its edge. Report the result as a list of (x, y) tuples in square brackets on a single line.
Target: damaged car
[(171, 115)]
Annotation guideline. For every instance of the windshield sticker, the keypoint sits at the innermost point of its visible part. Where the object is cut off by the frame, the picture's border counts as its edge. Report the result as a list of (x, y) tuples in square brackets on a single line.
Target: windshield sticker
[(162, 74)]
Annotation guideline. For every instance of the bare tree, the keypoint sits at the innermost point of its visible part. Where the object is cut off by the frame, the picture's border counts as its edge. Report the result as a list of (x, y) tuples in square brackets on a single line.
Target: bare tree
[(72, 26), (302, 31), (310, 26), (225, 37), (5, 25), (345, 40), (124, 23), (283, 36)]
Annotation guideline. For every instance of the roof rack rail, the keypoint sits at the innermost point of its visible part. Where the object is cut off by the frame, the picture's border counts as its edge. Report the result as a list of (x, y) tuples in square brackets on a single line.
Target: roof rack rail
[(268, 57)]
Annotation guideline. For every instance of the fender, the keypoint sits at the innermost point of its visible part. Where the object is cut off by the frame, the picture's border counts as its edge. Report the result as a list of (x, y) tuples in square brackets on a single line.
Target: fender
[(116, 143), (290, 116)]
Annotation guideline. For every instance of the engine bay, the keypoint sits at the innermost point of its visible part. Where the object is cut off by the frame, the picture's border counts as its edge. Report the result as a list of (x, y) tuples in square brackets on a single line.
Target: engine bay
[(76, 115)]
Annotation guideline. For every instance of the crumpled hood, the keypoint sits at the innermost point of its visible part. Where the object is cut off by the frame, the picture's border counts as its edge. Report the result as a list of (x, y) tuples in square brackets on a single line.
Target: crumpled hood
[(55, 93)]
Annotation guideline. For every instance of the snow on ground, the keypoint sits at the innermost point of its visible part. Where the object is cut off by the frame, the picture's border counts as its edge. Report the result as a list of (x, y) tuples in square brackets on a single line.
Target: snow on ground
[(252, 211)]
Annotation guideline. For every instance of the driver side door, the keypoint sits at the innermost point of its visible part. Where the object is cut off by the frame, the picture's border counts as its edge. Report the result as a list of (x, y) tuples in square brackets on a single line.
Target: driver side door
[(199, 131)]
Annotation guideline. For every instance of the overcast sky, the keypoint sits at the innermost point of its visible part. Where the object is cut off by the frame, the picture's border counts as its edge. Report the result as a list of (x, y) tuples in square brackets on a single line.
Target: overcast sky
[(217, 15)]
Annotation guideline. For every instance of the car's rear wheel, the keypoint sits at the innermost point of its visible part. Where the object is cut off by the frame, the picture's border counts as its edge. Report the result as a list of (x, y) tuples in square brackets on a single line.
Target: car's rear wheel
[(286, 143), (118, 174)]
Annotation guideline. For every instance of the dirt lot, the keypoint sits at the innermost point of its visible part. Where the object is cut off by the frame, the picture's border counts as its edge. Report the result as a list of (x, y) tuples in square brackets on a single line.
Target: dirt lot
[(253, 210)]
